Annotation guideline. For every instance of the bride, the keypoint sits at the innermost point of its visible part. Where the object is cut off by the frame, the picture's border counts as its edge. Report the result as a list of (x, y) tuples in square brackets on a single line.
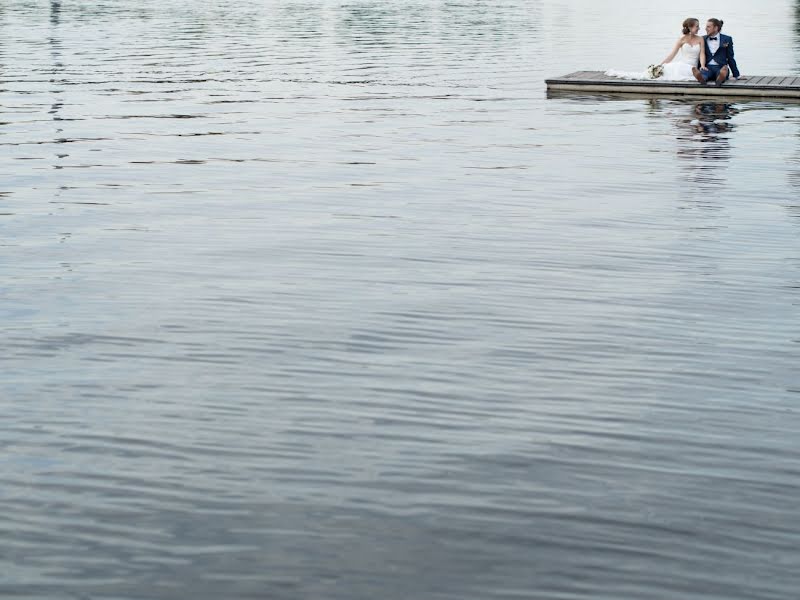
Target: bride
[(681, 63)]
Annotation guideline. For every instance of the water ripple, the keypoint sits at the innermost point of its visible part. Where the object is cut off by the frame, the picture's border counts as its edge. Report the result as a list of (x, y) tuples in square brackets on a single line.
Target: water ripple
[(331, 300)]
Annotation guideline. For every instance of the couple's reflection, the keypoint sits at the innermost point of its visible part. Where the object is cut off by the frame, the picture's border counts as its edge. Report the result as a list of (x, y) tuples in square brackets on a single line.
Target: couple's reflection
[(56, 81), (704, 146)]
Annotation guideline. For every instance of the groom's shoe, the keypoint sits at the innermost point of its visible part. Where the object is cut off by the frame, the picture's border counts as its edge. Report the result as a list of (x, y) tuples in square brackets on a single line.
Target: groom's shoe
[(698, 75), (723, 75)]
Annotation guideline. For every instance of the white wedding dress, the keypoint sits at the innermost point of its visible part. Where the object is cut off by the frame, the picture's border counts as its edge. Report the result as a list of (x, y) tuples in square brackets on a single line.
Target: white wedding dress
[(680, 69)]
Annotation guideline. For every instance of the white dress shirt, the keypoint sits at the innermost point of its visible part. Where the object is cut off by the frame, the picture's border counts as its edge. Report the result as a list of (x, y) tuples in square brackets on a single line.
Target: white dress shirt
[(713, 45)]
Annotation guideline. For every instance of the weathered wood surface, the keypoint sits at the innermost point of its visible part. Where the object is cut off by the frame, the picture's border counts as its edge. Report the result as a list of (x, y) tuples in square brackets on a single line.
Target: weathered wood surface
[(761, 86)]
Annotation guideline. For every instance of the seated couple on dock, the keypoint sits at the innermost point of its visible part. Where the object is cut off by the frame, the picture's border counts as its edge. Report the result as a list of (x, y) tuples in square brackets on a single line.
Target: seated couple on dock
[(702, 58)]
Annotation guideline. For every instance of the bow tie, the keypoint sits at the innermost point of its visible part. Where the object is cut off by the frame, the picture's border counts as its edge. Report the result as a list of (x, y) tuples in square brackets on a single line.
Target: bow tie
[(713, 39)]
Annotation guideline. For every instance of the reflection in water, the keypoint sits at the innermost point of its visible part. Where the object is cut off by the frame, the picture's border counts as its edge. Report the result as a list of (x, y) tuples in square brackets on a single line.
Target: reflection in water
[(57, 77), (704, 141), (3, 36), (793, 168), (55, 12)]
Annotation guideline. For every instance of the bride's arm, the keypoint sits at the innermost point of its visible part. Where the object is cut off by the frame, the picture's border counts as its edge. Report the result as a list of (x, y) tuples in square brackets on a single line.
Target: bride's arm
[(673, 53)]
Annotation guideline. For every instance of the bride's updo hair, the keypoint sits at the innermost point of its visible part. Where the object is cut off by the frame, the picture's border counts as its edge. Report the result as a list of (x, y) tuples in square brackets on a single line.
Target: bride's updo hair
[(688, 24)]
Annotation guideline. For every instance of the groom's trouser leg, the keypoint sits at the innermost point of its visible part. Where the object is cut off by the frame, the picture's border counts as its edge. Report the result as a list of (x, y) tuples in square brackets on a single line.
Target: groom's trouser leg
[(711, 73)]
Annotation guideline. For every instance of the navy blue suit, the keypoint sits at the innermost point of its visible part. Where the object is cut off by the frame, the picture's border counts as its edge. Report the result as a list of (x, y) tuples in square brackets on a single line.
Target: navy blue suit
[(723, 56)]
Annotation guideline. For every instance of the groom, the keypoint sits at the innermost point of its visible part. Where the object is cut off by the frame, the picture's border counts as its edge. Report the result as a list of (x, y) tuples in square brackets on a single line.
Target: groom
[(719, 56)]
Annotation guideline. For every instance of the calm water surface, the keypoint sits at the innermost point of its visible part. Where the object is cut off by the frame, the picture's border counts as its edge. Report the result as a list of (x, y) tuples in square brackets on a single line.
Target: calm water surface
[(327, 299)]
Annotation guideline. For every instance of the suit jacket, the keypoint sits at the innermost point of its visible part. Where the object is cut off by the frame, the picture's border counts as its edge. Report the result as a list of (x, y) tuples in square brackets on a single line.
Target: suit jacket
[(724, 55)]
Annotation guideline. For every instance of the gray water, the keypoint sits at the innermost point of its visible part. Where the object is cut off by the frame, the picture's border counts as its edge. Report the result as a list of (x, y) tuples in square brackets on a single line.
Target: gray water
[(328, 300)]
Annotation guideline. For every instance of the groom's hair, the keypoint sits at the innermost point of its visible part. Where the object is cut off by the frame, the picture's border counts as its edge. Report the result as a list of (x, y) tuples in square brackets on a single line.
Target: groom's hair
[(717, 23)]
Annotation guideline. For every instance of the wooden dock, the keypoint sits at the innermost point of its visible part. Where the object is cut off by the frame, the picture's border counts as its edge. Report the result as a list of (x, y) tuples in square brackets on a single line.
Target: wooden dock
[(768, 86)]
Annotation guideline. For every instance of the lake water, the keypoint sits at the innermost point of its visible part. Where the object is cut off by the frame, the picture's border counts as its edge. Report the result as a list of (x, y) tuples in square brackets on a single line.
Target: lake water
[(327, 300)]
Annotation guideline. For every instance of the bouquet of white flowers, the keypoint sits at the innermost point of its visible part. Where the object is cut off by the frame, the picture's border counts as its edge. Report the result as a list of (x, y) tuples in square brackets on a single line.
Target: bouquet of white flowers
[(655, 71)]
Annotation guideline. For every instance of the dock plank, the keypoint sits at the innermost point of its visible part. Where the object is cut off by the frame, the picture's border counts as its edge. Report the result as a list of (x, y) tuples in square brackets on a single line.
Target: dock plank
[(761, 86)]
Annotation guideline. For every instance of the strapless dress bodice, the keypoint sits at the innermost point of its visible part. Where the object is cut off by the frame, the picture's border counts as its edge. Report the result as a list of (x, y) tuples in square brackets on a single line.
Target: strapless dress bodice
[(689, 55)]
